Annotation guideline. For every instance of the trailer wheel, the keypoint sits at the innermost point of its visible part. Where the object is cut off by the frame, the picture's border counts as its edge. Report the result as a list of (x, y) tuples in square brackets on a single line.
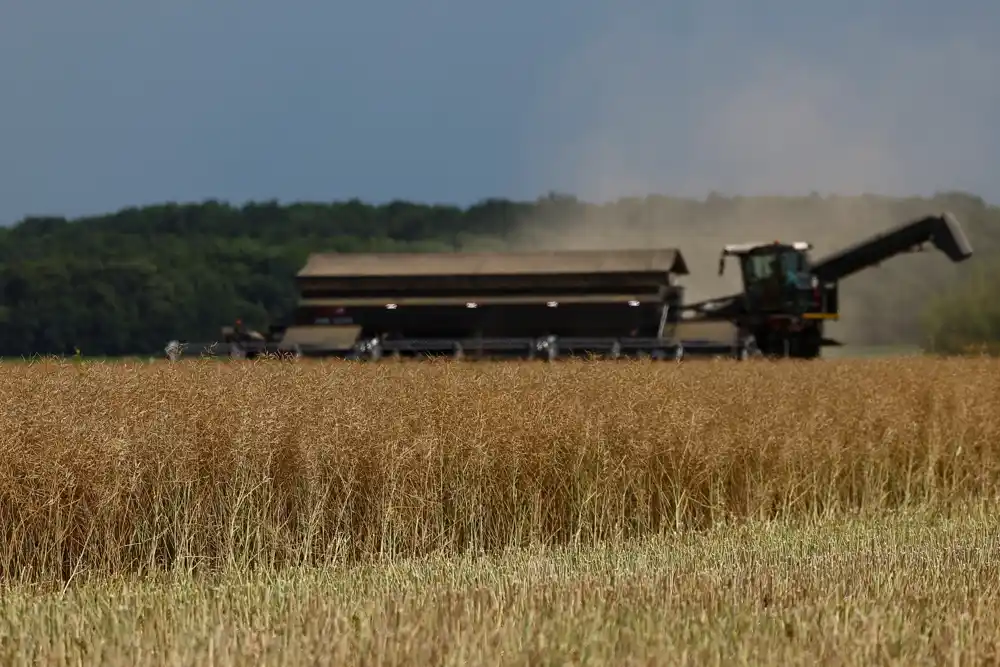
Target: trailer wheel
[(174, 349), (748, 349), (549, 347)]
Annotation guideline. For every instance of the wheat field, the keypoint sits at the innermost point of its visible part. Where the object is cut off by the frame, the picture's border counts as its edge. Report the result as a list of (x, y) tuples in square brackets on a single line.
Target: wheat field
[(445, 513)]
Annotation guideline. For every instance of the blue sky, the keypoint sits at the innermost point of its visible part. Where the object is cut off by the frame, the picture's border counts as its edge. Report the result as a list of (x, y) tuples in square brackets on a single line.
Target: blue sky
[(114, 103)]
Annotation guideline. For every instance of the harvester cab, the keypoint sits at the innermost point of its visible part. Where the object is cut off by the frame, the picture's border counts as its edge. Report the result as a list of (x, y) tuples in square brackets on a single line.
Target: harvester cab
[(778, 279)]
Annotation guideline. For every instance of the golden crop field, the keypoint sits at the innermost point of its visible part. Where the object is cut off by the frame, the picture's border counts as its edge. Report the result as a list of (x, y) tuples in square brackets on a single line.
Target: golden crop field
[(826, 512)]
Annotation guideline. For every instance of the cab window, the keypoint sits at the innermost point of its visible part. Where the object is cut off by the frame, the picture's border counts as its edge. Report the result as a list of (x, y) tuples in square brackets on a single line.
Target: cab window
[(759, 267), (764, 266)]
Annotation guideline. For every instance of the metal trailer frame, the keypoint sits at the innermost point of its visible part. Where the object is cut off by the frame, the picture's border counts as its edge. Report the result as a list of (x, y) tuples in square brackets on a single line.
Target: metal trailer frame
[(549, 348)]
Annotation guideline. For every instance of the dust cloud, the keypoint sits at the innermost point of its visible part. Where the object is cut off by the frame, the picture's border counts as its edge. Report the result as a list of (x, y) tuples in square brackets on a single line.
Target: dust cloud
[(791, 145)]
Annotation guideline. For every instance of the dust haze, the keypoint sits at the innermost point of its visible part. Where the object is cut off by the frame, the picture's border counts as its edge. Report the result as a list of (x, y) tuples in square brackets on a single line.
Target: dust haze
[(789, 145)]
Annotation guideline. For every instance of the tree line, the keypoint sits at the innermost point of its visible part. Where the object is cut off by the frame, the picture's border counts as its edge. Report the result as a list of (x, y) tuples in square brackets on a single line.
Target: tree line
[(126, 282)]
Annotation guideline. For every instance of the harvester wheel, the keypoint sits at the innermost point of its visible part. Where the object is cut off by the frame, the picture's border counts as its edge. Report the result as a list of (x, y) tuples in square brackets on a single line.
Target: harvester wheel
[(805, 346)]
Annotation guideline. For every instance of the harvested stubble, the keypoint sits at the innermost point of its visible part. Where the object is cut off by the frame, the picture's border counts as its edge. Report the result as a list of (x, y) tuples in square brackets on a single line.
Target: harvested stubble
[(127, 468), (902, 588)]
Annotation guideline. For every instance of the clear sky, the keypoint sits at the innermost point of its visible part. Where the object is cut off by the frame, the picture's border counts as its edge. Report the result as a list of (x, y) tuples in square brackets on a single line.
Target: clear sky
[(113, 103)]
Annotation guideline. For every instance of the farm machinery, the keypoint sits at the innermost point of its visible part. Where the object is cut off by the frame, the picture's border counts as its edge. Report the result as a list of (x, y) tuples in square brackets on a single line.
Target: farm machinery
[(554, 304)]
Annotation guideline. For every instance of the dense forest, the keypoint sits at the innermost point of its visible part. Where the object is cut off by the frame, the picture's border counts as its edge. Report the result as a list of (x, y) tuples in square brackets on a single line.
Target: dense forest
[(127, 282)]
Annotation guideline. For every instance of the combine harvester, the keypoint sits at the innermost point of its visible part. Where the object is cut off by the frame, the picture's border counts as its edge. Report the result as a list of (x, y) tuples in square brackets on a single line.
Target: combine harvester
[(551, 305)]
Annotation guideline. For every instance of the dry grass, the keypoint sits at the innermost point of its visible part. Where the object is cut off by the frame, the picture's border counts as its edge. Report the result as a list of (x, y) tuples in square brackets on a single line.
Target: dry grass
[(206, 494)]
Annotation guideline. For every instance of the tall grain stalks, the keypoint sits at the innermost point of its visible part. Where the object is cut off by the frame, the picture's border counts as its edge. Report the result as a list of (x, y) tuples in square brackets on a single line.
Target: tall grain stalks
[(118, 468)]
